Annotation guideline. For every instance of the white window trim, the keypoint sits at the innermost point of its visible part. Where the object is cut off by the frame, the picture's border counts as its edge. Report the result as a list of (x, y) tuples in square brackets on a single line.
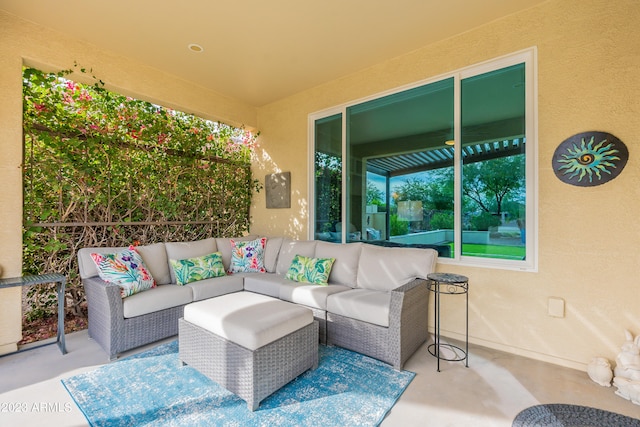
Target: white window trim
[(526, 56)]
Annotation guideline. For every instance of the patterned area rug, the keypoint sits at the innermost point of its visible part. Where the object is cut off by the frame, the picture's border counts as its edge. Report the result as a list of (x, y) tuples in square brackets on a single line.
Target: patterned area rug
[(561, 415), (152, 388)]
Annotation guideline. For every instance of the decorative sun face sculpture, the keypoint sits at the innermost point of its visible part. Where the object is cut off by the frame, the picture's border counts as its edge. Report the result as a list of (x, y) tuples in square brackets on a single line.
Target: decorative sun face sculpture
[(589, 159)]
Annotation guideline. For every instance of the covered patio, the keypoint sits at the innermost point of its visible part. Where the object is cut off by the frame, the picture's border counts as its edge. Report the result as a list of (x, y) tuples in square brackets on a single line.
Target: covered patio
[(497, 386)]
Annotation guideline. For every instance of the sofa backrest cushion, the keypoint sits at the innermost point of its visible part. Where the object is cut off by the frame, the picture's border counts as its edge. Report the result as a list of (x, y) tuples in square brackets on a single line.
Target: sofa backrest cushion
[(384, 269), (271, 252), (155, 258), (291, 248), (87, 266), (345, 267), (184, 250), (224, 247)]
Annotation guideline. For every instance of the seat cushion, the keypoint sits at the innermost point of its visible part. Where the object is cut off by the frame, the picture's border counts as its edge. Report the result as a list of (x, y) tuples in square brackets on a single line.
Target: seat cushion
[(383, 269), (362, 304), (248, 319), (159, 298), (214, 287), (265, 284), (345, 267), (314, 296)]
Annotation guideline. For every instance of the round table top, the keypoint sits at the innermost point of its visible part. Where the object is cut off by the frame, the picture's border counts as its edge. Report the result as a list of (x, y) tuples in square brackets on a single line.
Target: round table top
[(447, 278)]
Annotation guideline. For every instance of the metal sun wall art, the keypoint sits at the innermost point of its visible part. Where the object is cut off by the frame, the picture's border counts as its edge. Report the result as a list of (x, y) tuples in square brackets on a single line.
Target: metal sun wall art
[(590, 158)]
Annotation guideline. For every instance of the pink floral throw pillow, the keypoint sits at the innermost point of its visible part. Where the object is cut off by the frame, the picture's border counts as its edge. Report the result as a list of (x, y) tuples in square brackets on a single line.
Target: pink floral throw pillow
[(248, 257), (126, 269)]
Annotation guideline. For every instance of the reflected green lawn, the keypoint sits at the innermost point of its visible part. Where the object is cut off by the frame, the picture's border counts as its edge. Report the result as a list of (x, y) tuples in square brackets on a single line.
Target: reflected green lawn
[(492, 251)]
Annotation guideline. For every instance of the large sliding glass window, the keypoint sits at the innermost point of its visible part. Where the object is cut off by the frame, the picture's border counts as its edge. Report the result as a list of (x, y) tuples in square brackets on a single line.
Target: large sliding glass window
[(447, 164)]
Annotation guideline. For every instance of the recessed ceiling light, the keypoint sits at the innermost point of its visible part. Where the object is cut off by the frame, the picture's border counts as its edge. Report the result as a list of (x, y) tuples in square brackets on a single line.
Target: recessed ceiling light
[(450, 142), (193, 47)]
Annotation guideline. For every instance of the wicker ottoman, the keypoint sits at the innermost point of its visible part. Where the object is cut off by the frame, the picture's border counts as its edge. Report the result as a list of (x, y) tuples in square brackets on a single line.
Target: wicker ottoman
[(250, 344)]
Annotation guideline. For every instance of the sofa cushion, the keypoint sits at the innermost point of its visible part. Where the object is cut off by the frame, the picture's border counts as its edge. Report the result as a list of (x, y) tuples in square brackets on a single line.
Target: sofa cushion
[(291, 248), (310, 270), (384, 269), (271, 252), (248, 319), (210, 288), (159, 298), (224, 247), (198, 268), (362, 304), (265, 284), (155, 257), (345, 268), (125, 268), (184, 250), (310, 295), (247, 256)]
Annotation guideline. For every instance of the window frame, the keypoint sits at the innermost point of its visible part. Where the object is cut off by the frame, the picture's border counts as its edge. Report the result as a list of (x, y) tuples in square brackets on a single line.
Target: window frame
[(528, 57)]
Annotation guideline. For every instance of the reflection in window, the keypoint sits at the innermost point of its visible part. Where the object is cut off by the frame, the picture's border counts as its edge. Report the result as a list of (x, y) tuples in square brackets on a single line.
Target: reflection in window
[(440, 165), (328, 178), (493, 171)]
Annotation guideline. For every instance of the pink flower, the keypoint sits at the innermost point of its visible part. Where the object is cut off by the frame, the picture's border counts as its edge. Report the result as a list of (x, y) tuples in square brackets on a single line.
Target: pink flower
[(84, 96)]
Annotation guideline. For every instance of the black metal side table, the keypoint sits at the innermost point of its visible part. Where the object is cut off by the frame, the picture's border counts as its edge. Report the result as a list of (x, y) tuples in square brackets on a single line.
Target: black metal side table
[(452, 284), (41, 279)]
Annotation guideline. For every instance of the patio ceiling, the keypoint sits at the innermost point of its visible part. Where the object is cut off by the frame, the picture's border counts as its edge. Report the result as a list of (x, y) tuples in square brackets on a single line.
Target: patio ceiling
[(259, 52)]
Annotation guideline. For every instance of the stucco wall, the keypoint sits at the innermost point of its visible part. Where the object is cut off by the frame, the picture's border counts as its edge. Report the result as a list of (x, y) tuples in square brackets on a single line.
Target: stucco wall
[(24, 43), (588, 64)]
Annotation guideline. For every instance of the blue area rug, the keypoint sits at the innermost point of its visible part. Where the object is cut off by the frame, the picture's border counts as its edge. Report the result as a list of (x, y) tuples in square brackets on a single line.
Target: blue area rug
[(153, 389)]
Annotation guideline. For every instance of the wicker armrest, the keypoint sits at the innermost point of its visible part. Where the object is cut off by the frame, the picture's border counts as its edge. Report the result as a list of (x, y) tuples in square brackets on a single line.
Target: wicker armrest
[(409, 287), (408, 314), (106, 315), (104, 293)]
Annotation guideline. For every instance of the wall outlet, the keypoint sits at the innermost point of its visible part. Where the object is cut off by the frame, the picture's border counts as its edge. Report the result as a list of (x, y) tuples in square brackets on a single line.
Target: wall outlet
[(555, 307)]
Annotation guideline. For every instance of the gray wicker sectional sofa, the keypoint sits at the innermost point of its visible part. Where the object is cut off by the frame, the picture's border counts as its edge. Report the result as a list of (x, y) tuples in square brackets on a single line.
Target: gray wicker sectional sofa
[(375, 302)]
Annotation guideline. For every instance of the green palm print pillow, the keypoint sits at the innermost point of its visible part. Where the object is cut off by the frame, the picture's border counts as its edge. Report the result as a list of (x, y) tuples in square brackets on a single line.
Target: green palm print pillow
[(310, 270), (200, 268)]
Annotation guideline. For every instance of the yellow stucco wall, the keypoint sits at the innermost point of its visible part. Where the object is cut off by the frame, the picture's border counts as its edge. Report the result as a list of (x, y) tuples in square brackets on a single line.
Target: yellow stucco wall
[(589, 238), (24, 43)]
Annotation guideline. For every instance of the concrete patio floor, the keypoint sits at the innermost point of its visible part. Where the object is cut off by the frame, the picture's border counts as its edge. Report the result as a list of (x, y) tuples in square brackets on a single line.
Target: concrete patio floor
[(491, 392)]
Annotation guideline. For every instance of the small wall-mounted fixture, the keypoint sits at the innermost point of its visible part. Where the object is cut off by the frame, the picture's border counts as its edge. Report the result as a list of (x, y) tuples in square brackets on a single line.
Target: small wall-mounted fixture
[(278, 190), (555, 307)]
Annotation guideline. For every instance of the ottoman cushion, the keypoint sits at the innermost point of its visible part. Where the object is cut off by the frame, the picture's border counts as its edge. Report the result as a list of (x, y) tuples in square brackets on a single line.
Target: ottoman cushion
[(248, 319)]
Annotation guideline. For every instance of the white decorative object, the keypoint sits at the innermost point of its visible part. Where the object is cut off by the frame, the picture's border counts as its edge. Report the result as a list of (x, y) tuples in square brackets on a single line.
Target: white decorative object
[(627, 371), (600, 371)]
